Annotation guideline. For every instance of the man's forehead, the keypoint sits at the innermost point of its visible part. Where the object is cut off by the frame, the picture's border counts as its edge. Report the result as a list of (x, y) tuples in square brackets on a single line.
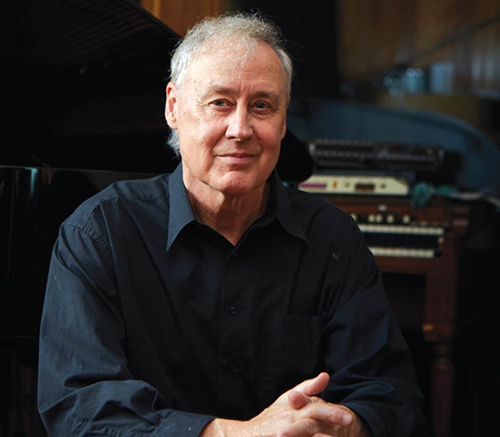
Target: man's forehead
[(223, 70), (220, 45), (231, 52)]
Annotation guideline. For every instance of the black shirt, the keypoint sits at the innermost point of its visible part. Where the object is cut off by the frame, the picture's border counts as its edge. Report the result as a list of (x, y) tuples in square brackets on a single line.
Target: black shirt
[(153, 323)]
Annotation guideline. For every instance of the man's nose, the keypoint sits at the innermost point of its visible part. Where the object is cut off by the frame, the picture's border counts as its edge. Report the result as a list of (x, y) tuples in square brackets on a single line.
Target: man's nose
[(239, 125)]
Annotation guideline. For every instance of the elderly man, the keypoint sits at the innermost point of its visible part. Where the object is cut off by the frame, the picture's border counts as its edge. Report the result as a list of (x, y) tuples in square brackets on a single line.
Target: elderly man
[(214, 301)]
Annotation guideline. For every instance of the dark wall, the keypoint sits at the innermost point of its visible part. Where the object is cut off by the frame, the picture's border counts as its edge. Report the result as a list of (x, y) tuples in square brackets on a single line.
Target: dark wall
[(311, 34)]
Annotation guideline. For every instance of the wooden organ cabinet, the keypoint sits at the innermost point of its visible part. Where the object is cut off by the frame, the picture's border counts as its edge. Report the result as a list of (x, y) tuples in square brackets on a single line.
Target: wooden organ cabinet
[(422, 242)]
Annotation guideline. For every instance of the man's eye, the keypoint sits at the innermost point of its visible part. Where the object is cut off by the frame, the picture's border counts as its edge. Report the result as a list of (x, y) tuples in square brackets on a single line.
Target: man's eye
[(219, 103), (262, 105)]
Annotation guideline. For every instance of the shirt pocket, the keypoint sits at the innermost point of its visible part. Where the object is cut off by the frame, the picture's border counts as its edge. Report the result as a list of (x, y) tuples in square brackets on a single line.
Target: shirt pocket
[(291, 350)]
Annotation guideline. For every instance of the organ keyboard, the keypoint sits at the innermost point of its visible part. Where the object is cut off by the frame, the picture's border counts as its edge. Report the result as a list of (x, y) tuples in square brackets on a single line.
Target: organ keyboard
[(389, 235), (394, 229), (426, 242)]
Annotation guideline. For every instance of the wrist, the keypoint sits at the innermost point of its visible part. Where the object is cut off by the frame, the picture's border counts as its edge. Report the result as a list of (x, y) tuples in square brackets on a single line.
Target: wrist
[(222, 428)]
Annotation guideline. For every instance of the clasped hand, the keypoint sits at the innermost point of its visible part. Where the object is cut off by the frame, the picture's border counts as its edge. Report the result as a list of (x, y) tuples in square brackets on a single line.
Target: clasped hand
[(296, 413)]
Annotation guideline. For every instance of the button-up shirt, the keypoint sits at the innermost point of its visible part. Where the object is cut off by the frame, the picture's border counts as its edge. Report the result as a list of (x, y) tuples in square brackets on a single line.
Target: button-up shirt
[(154, 324)]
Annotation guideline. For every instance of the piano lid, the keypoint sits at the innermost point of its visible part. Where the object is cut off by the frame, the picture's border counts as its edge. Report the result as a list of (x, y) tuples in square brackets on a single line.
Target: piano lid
[(84, 85), (50, 41), (85, 89)]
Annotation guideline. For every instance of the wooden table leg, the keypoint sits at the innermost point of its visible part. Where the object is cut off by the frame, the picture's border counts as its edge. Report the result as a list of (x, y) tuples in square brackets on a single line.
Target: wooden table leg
[(442, 389)]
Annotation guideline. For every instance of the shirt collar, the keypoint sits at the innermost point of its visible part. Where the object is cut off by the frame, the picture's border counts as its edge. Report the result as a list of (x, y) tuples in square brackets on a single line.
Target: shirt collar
[(181, 212), (280, 208)]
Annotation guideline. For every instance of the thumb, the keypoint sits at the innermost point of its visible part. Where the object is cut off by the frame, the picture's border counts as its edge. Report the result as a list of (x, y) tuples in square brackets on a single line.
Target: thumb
[(315, 386), (298, 400)]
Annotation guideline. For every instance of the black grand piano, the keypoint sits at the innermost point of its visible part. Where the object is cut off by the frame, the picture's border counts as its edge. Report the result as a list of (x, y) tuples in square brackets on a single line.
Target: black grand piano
[(82, 97)]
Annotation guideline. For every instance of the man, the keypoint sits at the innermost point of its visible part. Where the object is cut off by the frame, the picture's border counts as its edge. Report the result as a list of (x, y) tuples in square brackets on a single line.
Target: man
[(215, 301)]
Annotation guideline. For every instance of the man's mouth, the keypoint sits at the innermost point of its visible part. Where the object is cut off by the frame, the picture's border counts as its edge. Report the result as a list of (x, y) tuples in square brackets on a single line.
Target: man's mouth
[(238, 158)]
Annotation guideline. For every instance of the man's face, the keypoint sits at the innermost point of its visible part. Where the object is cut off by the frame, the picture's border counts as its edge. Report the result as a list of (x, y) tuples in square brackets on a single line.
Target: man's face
[(231, 117)]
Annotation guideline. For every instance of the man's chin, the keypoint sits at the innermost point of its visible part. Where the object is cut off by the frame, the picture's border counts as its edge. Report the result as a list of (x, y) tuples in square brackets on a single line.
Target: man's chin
[(240, 186)]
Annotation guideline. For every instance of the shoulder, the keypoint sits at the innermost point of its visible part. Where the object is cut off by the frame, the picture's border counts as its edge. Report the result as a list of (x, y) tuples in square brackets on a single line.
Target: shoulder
[(326, 226), (312, 208), (119, 199), (135, 189)]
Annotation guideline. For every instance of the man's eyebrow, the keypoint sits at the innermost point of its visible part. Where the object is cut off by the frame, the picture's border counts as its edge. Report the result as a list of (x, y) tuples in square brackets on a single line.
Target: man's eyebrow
[(275, 95), (219, 89), (216, 89)]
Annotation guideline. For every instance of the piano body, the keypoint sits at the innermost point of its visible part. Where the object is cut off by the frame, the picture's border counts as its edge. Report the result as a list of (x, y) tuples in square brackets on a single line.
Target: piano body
[(84, 102), (82, 96)]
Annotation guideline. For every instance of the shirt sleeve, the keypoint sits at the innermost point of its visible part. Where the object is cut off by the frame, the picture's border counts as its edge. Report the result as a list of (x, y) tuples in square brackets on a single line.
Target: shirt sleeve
[(85, 386), (366, 353)]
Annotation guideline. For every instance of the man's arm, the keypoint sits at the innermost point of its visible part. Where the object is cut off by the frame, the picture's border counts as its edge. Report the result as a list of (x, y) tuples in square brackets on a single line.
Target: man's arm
[(366, 354), (85, 384), (296, 413)]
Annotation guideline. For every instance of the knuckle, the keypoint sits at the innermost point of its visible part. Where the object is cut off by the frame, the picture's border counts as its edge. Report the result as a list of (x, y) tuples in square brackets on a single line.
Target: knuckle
[(311, 426)]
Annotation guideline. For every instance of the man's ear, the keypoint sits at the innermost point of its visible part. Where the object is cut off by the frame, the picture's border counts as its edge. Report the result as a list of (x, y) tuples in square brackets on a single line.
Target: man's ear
[(171, 106), (283, 132)]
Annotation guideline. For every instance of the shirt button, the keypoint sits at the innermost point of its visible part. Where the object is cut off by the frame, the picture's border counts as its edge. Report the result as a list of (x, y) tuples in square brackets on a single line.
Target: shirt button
[(233, 310)]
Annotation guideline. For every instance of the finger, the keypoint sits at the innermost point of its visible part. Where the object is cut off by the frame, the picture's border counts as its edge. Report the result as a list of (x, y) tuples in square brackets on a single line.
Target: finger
[(314, 386), (310, 428), (319, 423), (298, 400), (328, 414), (302, 428)]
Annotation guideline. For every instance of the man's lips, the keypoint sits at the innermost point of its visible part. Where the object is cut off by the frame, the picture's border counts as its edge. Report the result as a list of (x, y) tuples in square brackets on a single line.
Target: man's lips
[(237, 157)]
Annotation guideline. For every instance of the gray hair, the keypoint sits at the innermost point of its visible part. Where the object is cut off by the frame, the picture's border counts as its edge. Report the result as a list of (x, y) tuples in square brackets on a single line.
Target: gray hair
[(248, 28)]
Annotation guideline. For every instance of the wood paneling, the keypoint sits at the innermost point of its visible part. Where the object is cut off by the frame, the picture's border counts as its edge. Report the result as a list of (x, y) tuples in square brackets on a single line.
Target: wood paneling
[(376, 36), (180, 15)]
